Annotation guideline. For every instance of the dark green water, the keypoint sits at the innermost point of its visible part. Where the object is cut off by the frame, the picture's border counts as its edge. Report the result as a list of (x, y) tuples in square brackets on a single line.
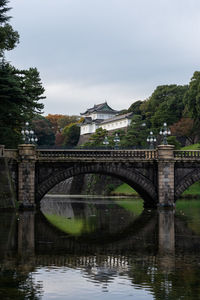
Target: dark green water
[(100, 249)]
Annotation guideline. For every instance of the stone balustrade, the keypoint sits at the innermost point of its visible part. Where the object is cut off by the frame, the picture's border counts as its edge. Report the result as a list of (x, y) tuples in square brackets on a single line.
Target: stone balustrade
[(187, 154), (89, 154), (57, 154)]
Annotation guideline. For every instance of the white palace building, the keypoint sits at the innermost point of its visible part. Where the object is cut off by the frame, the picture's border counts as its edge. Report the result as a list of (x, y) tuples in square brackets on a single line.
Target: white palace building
[(103, 116)]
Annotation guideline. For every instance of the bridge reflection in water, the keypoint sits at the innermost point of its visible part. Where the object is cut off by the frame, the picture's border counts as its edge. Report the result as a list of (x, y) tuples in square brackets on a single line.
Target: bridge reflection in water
[(153, 249)]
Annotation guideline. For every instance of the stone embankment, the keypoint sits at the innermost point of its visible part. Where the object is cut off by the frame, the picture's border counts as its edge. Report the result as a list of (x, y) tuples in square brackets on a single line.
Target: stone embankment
[(90, 184)]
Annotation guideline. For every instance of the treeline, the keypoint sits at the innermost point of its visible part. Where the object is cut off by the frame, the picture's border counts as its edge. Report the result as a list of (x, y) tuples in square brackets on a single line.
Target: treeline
[(57, 130), (176, 105)]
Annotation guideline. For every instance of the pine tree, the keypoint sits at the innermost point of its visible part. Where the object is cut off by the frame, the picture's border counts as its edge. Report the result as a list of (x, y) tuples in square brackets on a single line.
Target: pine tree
[(12, 99), (19, 102), (8, 37)]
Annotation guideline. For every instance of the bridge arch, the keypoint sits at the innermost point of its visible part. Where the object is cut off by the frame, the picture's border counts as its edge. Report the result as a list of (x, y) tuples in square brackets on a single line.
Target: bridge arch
[(139, 182), (186, 182)]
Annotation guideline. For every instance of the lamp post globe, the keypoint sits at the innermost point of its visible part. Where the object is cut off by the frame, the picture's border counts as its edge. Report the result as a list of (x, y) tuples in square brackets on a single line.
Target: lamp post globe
[(28, 135), (151, 140), (164, 132), (116, 141), (106, 141)]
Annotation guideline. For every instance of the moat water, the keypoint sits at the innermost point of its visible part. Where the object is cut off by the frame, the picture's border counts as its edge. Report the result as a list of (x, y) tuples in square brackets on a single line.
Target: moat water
[(100, 248)]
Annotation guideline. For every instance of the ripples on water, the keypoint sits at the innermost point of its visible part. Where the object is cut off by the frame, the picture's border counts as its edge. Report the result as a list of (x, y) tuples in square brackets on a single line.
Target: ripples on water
[(82, 248)]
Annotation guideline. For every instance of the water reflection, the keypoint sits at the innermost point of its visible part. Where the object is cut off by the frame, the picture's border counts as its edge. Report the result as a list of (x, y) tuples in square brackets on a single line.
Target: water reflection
[(116, 250)]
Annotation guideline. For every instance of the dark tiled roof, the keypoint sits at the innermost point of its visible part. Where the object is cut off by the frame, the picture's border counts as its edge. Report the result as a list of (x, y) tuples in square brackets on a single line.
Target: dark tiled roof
[(119, 117), (89, 120), (103, 107)]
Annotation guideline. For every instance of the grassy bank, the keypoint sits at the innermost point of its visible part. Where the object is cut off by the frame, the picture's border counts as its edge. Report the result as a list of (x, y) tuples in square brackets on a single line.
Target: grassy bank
[(192, 192), (191, 147), (125, 190)]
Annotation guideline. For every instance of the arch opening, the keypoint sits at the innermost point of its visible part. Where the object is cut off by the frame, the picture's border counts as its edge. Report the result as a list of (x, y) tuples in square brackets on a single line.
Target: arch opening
[(143, 186), (187, 182)]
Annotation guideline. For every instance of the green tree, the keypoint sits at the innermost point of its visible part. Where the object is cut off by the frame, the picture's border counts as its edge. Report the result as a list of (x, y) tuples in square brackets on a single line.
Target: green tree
[(17, 106), (135, 107), (97, 138), (43, 131), (8, 37), (164, 105), (172, 140), (111, 137), (66, 120), (71, 135), (12, 101), (136, 134), (192, 98), (32, 86)]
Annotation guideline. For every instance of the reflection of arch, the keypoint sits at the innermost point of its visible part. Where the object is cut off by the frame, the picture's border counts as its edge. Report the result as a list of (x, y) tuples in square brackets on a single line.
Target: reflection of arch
[(187, 181), (140, 183), (133, 237)]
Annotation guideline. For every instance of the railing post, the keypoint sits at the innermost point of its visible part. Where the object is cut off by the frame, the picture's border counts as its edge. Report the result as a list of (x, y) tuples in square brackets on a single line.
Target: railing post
[(166, 175), (26, 176)]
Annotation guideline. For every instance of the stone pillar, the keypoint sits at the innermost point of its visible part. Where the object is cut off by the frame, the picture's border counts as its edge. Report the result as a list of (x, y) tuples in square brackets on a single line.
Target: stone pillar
[(166, 175), (26, 176)]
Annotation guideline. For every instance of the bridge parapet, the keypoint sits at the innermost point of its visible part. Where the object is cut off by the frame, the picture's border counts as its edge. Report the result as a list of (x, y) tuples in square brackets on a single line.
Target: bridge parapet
[(49, 155), (10, 153), (52, 154), (187, 154)]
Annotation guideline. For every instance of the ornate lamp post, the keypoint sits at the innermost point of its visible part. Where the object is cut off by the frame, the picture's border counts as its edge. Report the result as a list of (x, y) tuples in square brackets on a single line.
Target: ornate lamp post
[(151, 139), (116, 141), (28, 135), (165, 131), (106, 142)]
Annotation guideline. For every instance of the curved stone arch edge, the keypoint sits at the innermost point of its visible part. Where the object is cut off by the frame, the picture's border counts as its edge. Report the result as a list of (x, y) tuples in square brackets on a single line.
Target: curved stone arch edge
[(186, 182), (141, 184)]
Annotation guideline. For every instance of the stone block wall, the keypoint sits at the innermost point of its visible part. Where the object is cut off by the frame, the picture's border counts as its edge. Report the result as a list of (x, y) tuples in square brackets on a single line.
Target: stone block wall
[(7, 188)]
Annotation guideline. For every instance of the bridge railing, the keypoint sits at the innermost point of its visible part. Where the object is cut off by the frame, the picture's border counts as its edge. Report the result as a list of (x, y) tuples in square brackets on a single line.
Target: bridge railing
[(11, 153), (187, 154), (65, 154)]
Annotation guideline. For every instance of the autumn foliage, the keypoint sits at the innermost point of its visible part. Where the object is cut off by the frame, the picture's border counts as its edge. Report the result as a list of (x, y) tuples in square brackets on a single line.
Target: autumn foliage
[(184, 127)]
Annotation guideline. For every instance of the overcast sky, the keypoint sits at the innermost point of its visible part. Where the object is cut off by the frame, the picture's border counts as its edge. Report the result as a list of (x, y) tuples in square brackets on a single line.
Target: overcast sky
[(89, 51)]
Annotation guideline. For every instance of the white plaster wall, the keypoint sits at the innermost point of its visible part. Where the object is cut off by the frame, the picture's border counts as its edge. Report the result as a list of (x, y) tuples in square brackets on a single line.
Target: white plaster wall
[(93, 116), (91, 128), (116, 124), (84, 129), (103, 116)]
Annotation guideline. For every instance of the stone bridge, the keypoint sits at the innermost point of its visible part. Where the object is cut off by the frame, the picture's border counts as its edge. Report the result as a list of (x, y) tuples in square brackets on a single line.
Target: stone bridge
[(159, 176)]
